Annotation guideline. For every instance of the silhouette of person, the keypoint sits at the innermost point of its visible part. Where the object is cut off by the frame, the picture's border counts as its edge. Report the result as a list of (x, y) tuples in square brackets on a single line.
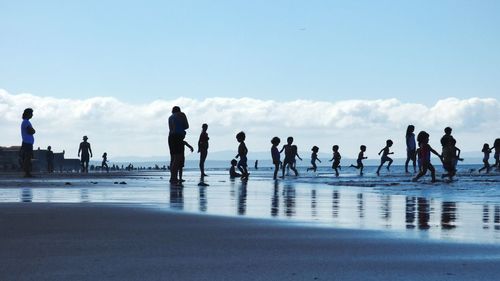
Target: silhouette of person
[(28, 140), (256, 166), (496, 146), (275, 154), (359, 161), (314, 158), (336, 160), (203, 148), (104, 164), (411, 148), (232, 171), (86, 153), (451, 155), (424, 156), (177, 125), (290, 154), (486, 152), (385, 158), (447, 137), (50, 160), (242, 154)]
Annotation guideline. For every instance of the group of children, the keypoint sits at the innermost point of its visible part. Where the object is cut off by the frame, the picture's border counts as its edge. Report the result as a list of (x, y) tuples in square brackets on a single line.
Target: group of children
[(449, 157)]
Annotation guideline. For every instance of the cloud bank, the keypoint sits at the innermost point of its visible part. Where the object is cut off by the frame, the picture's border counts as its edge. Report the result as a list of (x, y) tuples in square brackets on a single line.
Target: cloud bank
[(124, 129)]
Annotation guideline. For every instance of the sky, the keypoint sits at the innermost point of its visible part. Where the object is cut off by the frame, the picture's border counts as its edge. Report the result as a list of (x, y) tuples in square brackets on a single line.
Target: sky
[(289, 67)]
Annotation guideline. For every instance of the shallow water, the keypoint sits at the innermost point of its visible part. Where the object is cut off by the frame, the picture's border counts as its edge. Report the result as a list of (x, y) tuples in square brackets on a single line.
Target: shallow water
[(467, 209)]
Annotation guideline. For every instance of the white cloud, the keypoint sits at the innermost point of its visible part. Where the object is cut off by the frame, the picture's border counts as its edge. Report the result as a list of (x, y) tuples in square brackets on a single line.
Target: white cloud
[(124, 129)]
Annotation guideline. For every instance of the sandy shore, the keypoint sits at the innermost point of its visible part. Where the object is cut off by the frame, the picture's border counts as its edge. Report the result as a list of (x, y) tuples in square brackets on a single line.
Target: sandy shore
[(107, 242)]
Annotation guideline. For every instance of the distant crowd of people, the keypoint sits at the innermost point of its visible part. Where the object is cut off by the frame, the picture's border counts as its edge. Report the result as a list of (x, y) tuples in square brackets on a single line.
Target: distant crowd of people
[(178, 124)]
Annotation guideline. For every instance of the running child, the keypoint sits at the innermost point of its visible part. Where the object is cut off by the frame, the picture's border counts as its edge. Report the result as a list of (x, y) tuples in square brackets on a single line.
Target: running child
[(314, 157), (290, 153), (336, 159), (242, 154), (496, 146), (359, 161), (104, 164), (486, 150), (385, 158), (451, 156), (424, 156)]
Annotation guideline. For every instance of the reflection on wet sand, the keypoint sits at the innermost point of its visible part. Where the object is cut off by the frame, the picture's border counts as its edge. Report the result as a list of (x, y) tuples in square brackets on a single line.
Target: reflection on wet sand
[(335, 203), (176, 197), (448, 215), (242, 198), (289, 199), (26, 195), (410, 212), (275, 200), (202, 198)]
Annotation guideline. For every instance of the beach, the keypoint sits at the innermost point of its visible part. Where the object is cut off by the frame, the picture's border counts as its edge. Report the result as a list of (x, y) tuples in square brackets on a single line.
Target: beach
[(123, 242), (135, 226)]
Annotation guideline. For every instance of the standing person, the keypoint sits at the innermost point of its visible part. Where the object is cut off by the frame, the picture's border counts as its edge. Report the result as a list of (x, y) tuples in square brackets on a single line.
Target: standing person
[(336, 159), (104, 163), (411, 148), (486, 151), (203, 148), (86, 153), (314, 158), (50, 160), (28, 140), (242, 154), (424, 156), (385, 158), (275, 154), (359, 161), (177, 125), (290, 153)]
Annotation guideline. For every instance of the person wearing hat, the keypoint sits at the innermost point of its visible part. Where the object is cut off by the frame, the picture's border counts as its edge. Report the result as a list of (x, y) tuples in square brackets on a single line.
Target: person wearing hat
[(27, 133), (86, 153)]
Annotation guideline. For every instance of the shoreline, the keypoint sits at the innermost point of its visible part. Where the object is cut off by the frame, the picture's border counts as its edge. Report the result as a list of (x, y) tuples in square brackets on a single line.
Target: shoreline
[(48, 241)]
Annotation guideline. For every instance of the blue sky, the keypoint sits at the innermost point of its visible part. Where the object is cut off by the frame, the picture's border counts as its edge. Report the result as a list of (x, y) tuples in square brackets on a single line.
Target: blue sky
[(140, 51)]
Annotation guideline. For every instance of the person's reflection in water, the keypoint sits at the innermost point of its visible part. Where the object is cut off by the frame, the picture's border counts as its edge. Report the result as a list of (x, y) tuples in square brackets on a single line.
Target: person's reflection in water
[(84, 195), (335, 203), (176, 197), (410, 212), (496, 217), (448, 215), (486, 216), (289, 199), (423, 209), (361, 205), (26, 195), (314, 211), (275, 203), (242, 198), (202, 197), (385, 208)]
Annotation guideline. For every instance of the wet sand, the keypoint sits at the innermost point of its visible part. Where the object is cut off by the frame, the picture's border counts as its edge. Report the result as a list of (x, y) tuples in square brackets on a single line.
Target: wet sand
[(52, 241)]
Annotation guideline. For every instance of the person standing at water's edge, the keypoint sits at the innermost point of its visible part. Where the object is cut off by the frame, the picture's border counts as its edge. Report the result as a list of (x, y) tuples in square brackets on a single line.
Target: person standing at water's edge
[(203, 148), (28, 140), (177, 125), (86, 153), (411, 148)]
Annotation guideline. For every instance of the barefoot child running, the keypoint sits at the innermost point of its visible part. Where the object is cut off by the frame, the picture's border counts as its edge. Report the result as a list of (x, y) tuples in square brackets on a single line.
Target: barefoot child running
[(290, 153), (424, 156), (359, 161), (486, 151), (336, 159), (314, 157), (385, 158)]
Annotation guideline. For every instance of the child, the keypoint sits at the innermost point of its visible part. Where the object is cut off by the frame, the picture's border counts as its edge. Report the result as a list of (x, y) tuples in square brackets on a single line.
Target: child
[(242, 154), (360, 159), (275, 154), (424, 156), (411, 146), (314, 157), (182, 159), (385, 158), (336, 159), (451, 155), (50, 160), (232, 171), (104, 163), (290, 153), (486, 150)]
